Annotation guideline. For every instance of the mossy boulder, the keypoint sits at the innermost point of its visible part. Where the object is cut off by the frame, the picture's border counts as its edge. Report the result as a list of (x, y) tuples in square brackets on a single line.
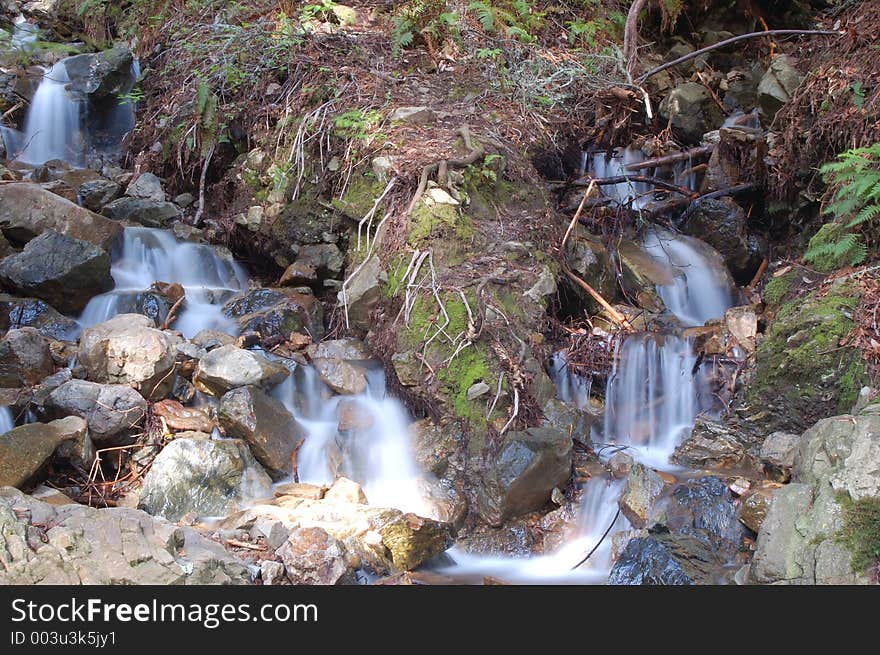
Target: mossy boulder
[(803, 372)]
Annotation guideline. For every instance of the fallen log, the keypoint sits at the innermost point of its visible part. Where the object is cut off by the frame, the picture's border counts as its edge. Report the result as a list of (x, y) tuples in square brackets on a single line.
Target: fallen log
[(684, 155), (624, 179)]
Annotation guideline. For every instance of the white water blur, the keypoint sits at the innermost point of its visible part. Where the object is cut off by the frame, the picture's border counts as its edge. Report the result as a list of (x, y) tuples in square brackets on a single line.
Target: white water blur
[(52, 126), (6, 420), (698, 291), (152, 255), (570, 388), (24, 34), (377, 455)]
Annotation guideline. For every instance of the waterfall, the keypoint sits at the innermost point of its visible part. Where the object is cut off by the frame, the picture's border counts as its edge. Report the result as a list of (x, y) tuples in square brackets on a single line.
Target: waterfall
[(570, 388), (24, 34), (6, 420), (376, 453), (149, 255), (52, 126)]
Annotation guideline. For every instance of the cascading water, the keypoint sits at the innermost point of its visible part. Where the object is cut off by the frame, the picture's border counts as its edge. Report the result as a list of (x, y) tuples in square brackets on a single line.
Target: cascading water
[(24, 34), (151, 255), (6, 420), (570, 388), (374, 450), (52, 123)]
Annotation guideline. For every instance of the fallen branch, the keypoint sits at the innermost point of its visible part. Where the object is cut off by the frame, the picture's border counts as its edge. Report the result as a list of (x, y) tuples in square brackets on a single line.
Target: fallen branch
[(598, 543), (760, 273), (631, 36), (624, 179), (735, 39), (739, 188), (615, 315), (684, 155), (170, 318)]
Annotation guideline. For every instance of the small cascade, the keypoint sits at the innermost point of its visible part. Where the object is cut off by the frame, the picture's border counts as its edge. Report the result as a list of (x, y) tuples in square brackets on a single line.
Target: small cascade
[(700, 289), (109, 120), (365, 438), (6, 420), (24, 34), (149, 255), (52, 126), (570, 388)]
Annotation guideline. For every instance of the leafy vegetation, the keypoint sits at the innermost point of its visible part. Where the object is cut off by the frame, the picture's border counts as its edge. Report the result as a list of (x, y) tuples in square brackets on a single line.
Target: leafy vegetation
[(855, 203)]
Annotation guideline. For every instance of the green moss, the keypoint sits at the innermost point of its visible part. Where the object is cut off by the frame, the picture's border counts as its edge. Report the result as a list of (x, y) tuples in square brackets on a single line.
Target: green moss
[(359, 197), (850, 383), (469, 367), (860, 533), (432, 221), (776, 289), (396, 273)]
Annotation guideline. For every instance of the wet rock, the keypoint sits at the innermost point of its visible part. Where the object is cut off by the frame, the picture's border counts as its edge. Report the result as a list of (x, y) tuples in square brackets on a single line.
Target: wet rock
[(703, 508), (276, 313), (413, 539), (723, 225), (24, 358), (435, 446), (742, 323), (298, 274), (180, 418), (346, 491), (111, 410), (63, 271), (348, 348), (95, 194), (149, 213), (803, 372), (271, 572), (24, 450), (641, 275), (523, 474), (568, 419), (642, 488), (108, 546), (101, 74), (588, 258), (692, 110), (341, 376), (710, 445), (664, 559), (146, 186), (265, 424), (620, 464), (229, 367), (778, 85), (753, 509), (738, 158), (26, 211), (312, 556), (354, 417), (362, 292), (127, 349), (212, 339), (210, 478)]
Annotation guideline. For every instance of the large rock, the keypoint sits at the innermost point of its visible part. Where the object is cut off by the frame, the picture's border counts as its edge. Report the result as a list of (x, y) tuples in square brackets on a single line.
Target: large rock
[(523, 474), (63, 271), (27, 210), (803, 372), (361, 292), (210, 478), (74, 544), (348, 348), (24, 450), (127, 349), (704, 508), (32, 312), (692, 110), (94, 194), (265, 424), (183, 419), (110, 410), (276, 313), (435, 446), (778, 84), (149, 213), (146, 186), (100, 74), (312, 556), (711, 445), (341, 376), (664, 559), (797, 543), (229, 367), (723, 225), (587, 256), (24, 358), (413, 539), (640, 492)]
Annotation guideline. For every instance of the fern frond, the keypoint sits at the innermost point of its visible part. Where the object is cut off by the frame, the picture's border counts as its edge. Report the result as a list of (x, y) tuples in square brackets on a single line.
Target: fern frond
[(485, 14), (866, 214)]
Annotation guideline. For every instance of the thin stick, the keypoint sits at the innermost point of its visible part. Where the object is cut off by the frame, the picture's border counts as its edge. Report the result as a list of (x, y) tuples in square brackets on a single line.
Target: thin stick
[(623, 179), (598, 543), (759, 274), (670, 159), (735, 39)]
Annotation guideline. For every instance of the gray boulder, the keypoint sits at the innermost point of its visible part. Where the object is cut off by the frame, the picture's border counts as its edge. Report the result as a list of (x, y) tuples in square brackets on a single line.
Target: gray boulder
[(94, 194), (341, 376), (777, 86), (146, 186), (149, 213), (640, 492), (25, 449), (63, 271), (692, 110), (28, 210), (229, 367), (265, 424), (110, 410), (127, 349), (312, 556), (523, 474), (208, 477), (83, 545), (361, 292), (24, 358), (100, 74)]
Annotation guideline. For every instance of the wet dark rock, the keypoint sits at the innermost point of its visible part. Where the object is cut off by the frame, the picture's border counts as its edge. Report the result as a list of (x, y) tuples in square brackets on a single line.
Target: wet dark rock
[(276, 313), (664, 559), (521, 476), (723, 225), (205, 476), (692, 111), (24, 450), (265, 424), (95, 194), (435, 446), (63, 271), (229, 367), (101, 74), (111, 410), (149, 213), (24, 358), (704, 509), (711, 444)]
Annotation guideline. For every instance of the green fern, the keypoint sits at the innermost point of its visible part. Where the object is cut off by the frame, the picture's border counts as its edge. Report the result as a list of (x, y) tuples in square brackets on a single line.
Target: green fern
[(855, 203), (517, 19)]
